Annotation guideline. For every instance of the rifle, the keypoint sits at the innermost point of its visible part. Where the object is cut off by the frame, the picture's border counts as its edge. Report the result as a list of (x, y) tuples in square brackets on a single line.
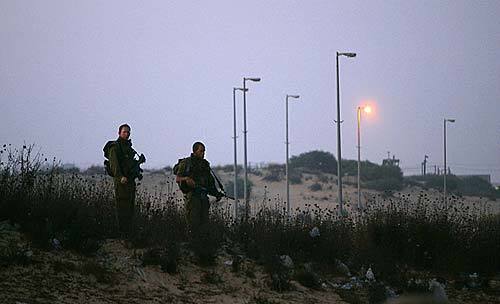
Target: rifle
[(204, 191), (222, 191), (136, 170), (224, 194)]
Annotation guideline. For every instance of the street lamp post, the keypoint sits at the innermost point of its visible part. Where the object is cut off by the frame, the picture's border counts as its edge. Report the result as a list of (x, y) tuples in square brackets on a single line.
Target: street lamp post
[(367, 109), (235, 188), (339, 152), (445, 167), (245, 181), (286, 166)]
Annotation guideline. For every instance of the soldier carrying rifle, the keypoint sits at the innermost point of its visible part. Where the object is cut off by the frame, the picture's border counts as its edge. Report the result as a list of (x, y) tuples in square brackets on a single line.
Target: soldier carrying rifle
[(195, 179), (124, 169)]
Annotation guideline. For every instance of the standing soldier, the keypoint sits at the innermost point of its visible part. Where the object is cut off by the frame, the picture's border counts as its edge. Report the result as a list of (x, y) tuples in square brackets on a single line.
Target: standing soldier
[(123, 168), (193, 175)]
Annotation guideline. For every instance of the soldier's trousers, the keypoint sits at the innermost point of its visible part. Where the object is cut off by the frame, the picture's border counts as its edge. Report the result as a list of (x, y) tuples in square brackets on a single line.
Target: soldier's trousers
[(197, 208), (125, 202)]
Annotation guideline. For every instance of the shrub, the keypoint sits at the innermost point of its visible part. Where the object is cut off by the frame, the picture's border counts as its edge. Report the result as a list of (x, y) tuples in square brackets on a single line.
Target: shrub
[(68, 169), (95, 170), (162, 171), (295, 177), (307, 277), (377, 177), (228, 168), (372, 171), (229, 187), (316, 187), (386, 184), (322, 178), (350, 167), (475, 186), (315, 161), (471, 185), (390, 235), (253, 170), (48, 205), (275, 173)]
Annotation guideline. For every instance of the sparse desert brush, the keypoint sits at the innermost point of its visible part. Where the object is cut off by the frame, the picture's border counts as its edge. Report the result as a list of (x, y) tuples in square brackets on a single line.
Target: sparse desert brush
[(49, 205), (392, 234), (240, 188), (316, 187)]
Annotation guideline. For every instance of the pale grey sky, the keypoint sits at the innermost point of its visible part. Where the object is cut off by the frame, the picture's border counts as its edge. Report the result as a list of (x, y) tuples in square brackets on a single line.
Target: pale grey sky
[(71, 72)]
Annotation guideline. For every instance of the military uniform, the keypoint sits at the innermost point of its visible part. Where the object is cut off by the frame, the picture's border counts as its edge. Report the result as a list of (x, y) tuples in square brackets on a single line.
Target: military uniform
[(196, 199), (121, 158)]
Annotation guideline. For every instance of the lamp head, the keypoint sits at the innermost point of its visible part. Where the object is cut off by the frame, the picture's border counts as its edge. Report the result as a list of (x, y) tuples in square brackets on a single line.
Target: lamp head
[(347, 54), (256, 79)]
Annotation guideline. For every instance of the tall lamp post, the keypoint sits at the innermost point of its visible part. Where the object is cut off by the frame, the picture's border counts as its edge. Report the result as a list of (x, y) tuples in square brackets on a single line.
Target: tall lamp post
[(245, 181), (445, 167), (286, 167), (366, 109), (339, 152), (235, 189)]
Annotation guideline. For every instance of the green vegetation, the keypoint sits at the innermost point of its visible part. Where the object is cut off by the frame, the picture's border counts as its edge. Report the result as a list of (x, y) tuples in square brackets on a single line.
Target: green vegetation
[(314, 162), (229, 187), (392, 235), (470, 186), (316, 187), (275, 173), (373, 176)]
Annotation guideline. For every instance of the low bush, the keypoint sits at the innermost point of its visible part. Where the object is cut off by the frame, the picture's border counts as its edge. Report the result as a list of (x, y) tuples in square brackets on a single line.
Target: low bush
[(295, 177), (316, 187), (275, 173), (469, 185), (392, 234), (240, 187), (315, 161)]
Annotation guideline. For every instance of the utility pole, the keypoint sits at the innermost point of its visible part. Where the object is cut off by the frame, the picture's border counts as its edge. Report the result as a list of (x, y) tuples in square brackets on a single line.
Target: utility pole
[(287, 156), (445, 166), (425, 165)]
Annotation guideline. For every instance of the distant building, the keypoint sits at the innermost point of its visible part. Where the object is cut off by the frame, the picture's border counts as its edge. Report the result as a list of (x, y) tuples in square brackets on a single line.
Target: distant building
[(390, 161)]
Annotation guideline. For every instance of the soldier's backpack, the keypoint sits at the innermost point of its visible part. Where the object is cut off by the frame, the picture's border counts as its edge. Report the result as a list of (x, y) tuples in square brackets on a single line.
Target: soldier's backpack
[(107, 165), (184, 188)]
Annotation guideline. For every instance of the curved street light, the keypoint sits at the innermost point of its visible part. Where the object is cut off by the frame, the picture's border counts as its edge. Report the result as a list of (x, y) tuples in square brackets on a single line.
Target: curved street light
[(245, 164), (235, 188), (367, 110), (286, 167), (339, 148)]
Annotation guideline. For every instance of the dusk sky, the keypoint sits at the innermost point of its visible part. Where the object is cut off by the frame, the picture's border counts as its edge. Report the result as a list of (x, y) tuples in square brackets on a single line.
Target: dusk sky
[(72, 72)]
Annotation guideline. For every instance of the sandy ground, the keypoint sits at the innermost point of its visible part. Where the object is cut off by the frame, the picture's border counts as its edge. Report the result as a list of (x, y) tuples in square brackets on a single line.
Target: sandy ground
[(57, 277), (65, 277)]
